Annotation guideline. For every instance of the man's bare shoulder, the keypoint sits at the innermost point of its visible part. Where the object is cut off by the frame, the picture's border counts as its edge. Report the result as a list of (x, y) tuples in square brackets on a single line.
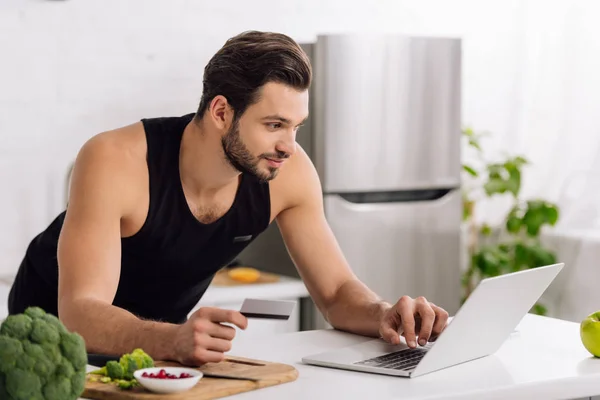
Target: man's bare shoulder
[(114, 160), (297, 183), (124, 145)]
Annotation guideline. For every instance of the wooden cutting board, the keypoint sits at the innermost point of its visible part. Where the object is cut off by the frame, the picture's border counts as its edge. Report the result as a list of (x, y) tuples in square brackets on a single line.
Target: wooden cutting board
[(270, 374), (222, 279)]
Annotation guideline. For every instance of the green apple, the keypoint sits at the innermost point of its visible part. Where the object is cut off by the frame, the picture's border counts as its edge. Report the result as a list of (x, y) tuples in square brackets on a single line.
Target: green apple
[(590, 333)]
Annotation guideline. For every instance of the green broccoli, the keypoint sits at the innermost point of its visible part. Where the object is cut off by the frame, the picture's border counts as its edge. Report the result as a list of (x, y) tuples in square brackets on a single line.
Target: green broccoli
[(40, 359), (55, 390), (10, 351), (23, 385), (129, 366), (142, 359), (125, 385), (121, 372), (17, 326), (114, 370), (101, 371), (43, 332)]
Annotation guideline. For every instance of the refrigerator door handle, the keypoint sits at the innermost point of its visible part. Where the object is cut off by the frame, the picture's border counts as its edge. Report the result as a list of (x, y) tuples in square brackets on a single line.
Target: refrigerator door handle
[(399, 196)]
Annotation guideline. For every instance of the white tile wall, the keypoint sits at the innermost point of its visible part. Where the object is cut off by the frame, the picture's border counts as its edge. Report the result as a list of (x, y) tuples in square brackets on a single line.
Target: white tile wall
[(70, 69)]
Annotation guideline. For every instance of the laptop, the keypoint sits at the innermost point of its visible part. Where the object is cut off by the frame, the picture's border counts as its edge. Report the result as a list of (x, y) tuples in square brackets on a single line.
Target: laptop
[(484, 321)]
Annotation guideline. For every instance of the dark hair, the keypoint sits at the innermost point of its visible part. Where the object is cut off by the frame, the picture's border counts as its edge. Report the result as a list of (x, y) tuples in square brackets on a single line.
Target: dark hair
[(247, 62)]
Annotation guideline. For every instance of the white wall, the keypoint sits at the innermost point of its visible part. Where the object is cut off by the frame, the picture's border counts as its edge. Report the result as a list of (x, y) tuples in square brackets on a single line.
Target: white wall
[(70, 69)]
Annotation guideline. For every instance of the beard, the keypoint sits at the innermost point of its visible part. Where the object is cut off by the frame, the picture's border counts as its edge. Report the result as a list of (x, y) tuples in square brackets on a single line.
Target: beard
[(240, 158)]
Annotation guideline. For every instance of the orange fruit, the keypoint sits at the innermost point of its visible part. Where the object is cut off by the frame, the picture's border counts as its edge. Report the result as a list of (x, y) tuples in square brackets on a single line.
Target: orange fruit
[(244, 274)]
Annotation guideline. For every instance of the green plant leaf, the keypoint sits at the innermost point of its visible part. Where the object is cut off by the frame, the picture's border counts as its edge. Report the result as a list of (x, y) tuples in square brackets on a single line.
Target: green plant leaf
[(486, 230), (551, 212), (505, 247), (467, 131), (475, 144), (539, 309), (495, 186), (470, 170), (520, 161), (487, 263), (541, 256), (534, 218), (513, 224), (467, 208), (514, 180), (495, 171), (522, 257)]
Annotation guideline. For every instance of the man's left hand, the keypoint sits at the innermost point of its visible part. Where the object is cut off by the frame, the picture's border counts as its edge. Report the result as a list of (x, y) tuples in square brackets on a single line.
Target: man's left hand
[(414, 319)]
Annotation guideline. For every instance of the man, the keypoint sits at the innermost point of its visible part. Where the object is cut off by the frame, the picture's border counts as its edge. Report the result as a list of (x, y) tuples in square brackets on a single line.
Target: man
[(159, 206)]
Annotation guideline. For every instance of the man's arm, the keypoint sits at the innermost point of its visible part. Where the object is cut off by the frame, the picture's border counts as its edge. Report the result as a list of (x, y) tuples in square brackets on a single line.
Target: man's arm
[(344, 301), (89, 256)]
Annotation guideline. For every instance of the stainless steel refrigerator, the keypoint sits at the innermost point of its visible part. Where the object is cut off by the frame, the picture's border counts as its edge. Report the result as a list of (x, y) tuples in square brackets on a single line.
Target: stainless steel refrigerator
[(384, 135)]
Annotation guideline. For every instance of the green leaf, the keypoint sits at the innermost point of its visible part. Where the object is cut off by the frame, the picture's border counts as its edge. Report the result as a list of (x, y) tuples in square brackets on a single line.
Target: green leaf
[(520, 161), (470, 170), (486, 230), (475, 144), (467, 208), (513, 224), (495, 186), (534, 218), (487, 263), (468, 132), (522, 257), (495, 171), (514, 180), (505, 247), (541, 256), (551, 214), (539, 309)]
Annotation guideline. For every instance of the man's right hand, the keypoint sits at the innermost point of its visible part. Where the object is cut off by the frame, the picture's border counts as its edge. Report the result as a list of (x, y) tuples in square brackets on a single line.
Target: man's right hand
[(203, 338)]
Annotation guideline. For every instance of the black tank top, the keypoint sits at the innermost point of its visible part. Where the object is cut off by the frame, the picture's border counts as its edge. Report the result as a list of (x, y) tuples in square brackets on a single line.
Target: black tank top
[(168, 264)]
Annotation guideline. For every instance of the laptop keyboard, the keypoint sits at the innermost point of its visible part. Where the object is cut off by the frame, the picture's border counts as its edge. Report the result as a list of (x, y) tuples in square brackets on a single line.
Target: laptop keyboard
[(404, 360)]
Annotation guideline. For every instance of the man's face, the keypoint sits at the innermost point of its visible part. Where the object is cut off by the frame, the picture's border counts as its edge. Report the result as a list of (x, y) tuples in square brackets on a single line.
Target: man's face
[(265, 135)]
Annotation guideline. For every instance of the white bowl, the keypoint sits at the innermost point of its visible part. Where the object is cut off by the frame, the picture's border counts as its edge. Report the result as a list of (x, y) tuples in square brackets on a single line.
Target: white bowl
[(168, 385)]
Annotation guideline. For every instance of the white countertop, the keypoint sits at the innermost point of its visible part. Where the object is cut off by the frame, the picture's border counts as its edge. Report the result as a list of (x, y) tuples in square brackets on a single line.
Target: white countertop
[(543, 360)]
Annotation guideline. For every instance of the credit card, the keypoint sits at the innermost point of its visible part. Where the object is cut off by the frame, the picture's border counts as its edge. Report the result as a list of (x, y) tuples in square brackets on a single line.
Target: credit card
[(267, 309)]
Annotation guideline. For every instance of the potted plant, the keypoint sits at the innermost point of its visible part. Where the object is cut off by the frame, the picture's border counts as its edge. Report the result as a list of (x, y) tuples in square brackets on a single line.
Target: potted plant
[(515, 244)]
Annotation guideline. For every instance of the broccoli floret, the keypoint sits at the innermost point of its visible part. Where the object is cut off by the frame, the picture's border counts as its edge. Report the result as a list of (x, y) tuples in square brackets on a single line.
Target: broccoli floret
[(40, 359), (43, 332), (77, 384), (23, 385), (10, 351), (142, 359), (58, 389), (73, 348), (17, 326), (101, 371), (105, 379), (129, 366), (52, 352), (26, 362), (43, 367), (55, 322), (35, 312), (114, 370), (65, 368), (125, 385)]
